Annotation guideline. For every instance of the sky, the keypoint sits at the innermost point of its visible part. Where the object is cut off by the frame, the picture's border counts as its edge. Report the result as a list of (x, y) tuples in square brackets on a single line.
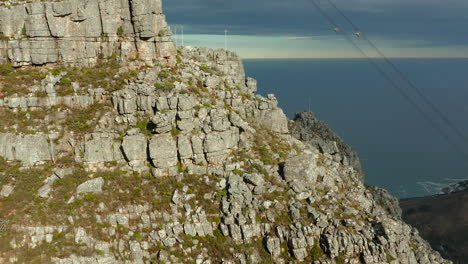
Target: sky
[(295, 29)]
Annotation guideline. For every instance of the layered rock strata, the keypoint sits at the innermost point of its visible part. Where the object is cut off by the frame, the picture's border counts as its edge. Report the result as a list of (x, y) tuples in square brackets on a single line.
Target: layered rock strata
[(81, 32), (241, 188), (179, 163)]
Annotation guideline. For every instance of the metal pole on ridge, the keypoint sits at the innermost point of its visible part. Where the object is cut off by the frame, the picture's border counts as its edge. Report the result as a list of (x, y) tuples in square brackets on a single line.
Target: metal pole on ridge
[(225, 39), (182, 35)]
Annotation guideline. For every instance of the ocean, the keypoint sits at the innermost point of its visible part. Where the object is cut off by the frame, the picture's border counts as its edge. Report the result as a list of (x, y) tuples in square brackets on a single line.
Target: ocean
[(399, 149)]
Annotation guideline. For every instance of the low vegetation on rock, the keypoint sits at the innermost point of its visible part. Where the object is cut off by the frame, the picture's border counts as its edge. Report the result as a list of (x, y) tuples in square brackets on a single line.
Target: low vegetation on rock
[(177, 160)]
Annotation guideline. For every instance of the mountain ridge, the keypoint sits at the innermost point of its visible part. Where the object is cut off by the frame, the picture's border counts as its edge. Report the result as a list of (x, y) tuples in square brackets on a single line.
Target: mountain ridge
[(178, 160)]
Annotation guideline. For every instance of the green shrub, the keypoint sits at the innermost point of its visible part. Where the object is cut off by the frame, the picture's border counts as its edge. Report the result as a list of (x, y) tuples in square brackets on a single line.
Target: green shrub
[(83, 120), (3, 37), (166, 85), (138, 236), (175, 132), (220, 194), (6, 69), (120, 31), (145, 127), (316, 252), (164, 74)]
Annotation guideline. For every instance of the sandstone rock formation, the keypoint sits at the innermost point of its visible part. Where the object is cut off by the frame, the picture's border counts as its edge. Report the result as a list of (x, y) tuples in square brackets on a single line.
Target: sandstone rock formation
[(76, 31), (176, 163), (308, 128)]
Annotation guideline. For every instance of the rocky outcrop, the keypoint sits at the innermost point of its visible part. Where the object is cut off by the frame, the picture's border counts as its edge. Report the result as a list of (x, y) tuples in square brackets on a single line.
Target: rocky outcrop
[(91, 186), (180, 163), (29, 149), (308, 128), (81, 32), (386, 201)]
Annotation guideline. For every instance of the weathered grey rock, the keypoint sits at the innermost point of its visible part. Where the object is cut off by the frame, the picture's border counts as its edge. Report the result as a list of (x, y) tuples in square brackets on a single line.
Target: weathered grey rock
[(125, 101), (163, 151), (137, 253), (388, 202), (102, 148), (7, 190), (186, 125), (323, 205), (301, 168), (189, 229), (91, 186), (164, 122), (219, 119), (44, 190), (308, 128), (184, 147), (29, 149), (134, 147), (251, 84), (255, 179), (176, 197), (186, 102), (218, 144), (61, 173), (273, 246), (237, 121), (74, 31), (274, 119)]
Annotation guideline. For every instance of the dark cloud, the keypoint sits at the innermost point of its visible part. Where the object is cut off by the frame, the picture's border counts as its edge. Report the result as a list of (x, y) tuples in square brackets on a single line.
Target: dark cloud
[(440, 22)]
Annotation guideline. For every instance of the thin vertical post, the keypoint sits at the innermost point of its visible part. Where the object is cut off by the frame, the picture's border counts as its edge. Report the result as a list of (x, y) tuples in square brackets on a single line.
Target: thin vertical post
[(225, 39), (175, 33), (182, 35)]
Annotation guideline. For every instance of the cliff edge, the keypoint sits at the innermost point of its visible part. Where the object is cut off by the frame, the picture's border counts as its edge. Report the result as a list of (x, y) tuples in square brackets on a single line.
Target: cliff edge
[(80, 32), (176, 163)]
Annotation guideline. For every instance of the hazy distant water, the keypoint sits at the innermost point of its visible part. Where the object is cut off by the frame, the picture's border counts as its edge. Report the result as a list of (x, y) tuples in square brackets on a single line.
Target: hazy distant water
[(399, 150)]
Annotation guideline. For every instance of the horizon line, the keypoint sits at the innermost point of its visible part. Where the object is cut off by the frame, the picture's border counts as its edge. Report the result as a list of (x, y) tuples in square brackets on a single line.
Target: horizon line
[(307, 58)]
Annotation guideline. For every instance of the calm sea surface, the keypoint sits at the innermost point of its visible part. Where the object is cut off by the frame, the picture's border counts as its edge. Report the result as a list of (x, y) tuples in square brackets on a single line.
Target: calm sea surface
[(399, 149)]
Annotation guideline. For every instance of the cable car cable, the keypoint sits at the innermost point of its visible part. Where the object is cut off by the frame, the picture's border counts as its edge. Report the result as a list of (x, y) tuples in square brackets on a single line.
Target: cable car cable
[(393, 84), (403, 76)]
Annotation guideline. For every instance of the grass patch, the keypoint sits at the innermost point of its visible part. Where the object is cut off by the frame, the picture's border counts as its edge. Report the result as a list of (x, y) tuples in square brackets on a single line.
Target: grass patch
[(84, 120), (105, 74), (18, 81), (166, 85)]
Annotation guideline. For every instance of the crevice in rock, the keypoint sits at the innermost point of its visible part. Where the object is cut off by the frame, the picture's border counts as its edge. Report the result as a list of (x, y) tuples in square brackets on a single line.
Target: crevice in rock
[(135, 35)]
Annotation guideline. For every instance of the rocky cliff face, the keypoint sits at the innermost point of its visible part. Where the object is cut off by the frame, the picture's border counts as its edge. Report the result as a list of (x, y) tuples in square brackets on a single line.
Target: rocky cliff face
[(77, 31), (178, 163), (306, 127)]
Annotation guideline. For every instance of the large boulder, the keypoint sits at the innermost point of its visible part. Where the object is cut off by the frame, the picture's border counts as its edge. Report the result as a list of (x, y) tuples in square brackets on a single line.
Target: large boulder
[(218, 144), (102, 148), (301, 168), (274, 119), (91, 186), (28, 149), (134, 147), (163, 151)]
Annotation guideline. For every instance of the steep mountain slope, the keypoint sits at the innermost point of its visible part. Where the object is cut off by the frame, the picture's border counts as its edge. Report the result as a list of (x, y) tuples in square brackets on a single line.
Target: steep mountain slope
[(178, 161), (443, 221)]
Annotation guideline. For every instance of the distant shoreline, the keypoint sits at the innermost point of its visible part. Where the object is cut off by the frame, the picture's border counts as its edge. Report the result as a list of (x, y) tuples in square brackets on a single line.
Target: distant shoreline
[(360, 58)]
